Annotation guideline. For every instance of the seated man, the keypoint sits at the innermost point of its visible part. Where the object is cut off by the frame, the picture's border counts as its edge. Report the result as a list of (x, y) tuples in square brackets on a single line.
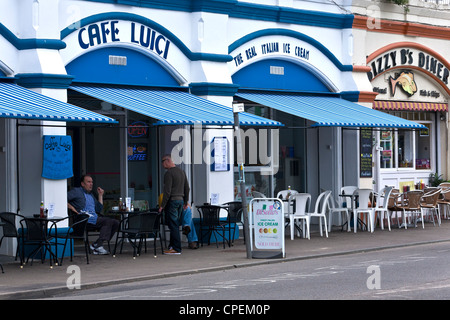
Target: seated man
[(82, 199)]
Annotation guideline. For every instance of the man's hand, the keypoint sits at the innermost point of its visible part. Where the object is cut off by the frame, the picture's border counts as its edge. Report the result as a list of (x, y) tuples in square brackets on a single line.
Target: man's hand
[(100, 191), (72, 208)]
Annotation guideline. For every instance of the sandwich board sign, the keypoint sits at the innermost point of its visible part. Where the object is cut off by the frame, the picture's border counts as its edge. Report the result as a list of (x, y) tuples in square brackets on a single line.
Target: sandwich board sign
[(266, 220)]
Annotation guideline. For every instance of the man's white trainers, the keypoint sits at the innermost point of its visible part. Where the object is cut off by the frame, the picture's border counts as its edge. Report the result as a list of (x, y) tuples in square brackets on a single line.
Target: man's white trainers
[(99, 250)]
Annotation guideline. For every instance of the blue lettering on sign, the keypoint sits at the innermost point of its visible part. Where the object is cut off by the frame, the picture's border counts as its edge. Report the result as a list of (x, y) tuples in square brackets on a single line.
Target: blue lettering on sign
[(302, 53), (98, 34), (148, 39), (108, 31), (269, 47), (238, 59), (286, 48), (251, 53), (137, 157)]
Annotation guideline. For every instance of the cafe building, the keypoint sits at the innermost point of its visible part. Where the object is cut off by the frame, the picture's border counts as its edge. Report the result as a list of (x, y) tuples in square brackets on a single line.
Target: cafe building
[(408, 69), (287, 78), (121, 83)]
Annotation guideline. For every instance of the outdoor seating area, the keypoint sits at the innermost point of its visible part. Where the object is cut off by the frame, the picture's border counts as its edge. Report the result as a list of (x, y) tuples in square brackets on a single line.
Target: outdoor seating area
[(40, 238), (353, 209), (366, 209)]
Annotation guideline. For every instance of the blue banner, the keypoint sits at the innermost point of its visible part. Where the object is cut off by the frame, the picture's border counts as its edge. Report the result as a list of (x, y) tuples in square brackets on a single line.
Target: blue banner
[(58, 157)]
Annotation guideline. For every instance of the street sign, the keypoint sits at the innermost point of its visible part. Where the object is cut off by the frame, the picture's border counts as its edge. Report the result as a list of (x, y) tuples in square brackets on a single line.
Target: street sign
[(238, 107)]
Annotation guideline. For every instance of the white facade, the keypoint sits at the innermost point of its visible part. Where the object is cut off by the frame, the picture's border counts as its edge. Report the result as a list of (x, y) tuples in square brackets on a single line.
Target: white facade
[(201, 46), (392, 42)]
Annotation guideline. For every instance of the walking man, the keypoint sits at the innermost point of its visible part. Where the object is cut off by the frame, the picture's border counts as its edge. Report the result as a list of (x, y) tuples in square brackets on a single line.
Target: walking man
[(175, 200)]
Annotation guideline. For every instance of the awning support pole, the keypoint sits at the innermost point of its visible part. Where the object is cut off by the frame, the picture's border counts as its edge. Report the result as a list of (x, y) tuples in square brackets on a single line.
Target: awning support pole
[(240, 160)]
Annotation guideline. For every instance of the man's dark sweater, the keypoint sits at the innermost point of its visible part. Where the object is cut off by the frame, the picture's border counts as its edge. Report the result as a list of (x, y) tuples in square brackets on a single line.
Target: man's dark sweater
[(176, 186)]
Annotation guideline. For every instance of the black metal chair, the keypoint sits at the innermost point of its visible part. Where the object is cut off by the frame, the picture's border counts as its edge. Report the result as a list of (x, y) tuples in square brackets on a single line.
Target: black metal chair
[(10, 229), (77, 230), (235, 210), (210, 218), (35, 234), (137, 227)]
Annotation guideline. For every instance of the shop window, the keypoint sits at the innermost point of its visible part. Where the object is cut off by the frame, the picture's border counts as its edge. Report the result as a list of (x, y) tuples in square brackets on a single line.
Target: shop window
[(423, 148), (407, 148), (274, 159), (254, 181), (387, 153), (143, 161)]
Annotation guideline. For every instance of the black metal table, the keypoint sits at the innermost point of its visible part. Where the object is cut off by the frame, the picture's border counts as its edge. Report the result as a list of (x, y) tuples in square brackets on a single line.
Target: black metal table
[(41, 236)]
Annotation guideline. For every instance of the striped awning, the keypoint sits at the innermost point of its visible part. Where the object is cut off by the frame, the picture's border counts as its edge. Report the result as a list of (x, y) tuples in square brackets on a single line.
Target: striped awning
[(329, 111), (409, 106), (17, 102), (171, 107)]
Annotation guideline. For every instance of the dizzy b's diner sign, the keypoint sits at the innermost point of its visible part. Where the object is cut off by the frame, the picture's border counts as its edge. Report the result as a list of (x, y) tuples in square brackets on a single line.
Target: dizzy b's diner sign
[(410, 57)]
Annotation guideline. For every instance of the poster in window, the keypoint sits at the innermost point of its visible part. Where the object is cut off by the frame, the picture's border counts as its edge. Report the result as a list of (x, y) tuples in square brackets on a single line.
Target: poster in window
[(386, 155), (137, 152), (424, 132), (386, 135), (57, 161)]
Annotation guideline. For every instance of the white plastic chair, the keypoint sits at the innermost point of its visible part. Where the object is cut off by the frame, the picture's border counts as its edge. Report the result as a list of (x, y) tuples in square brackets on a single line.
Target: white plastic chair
[(302, 201), (363, 200), (382, 207), (320, 210), (257, 194), (348, 202), (336, 209), (282, 195), (321, 213)]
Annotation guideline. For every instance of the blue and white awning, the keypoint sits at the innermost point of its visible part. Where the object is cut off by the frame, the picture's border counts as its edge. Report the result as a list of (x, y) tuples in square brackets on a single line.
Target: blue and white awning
[(20, 103), (330, 111), (171, 107)]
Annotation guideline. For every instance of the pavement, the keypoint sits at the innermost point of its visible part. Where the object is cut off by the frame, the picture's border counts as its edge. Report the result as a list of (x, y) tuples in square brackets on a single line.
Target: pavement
[(40, 281)]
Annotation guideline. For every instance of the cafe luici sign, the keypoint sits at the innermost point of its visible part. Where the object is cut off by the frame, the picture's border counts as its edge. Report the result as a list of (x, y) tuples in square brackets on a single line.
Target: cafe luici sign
[(410, 58), (119, 31)]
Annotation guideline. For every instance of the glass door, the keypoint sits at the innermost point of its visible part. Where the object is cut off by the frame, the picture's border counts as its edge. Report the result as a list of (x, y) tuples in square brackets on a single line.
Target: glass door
[(388, 149)]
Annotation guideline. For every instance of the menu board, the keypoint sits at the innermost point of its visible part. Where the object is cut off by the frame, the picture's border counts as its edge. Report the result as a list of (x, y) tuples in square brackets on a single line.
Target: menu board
[(57, 157), (365, 160), (220, 154)]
